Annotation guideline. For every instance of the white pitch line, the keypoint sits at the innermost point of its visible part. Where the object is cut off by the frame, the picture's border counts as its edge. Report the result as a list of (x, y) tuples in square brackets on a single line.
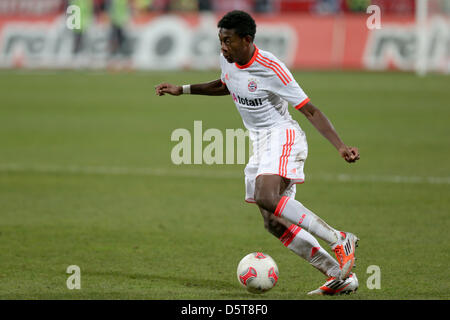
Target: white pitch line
[(388, 179), (111, 170), (207, 173)]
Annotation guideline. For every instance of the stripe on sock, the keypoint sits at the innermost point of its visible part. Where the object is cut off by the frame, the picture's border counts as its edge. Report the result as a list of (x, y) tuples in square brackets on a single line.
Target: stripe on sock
[(289, 235), (280, 207)]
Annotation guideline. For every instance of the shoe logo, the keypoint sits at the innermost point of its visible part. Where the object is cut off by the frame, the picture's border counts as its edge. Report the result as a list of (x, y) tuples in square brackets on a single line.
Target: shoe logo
[(348, 248), (335, 284)]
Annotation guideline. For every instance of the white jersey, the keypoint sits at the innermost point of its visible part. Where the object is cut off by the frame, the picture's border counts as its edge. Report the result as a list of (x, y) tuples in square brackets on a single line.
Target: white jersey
[(262, 90)]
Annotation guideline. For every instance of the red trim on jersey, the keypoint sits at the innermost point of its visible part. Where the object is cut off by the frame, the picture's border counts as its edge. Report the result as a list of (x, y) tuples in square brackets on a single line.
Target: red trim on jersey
[(301, 104), (265, 64), (276, 66), (287, 148), (292, 134), (288, 140), (281, 157), (248, 64)]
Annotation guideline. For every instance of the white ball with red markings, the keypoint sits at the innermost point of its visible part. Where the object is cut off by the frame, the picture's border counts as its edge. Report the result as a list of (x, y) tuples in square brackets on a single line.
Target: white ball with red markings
[(257, 272)]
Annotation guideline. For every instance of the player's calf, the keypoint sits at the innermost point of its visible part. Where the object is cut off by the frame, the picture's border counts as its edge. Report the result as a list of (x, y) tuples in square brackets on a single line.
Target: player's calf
[(301, 243), (276, 226), (268, 191)]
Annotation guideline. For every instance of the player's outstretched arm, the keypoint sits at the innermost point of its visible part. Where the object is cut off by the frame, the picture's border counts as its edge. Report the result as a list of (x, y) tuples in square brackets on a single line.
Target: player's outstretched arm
[(213, 88), (324, 126)]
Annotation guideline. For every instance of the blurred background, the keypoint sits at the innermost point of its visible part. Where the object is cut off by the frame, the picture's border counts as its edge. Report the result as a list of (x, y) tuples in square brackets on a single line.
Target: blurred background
[(182, 34), (87, 178)]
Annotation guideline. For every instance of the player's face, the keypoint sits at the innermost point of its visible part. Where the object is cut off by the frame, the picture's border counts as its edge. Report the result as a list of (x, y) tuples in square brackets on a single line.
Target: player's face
[(231, 45)]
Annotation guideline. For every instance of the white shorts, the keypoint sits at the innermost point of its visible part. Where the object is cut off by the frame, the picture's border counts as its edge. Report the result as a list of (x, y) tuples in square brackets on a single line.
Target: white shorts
[(282, 151)]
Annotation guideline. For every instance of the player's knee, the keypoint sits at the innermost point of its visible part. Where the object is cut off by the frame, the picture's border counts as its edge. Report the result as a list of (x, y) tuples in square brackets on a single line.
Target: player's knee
[(267, 200), (269, 223), (272, 225)]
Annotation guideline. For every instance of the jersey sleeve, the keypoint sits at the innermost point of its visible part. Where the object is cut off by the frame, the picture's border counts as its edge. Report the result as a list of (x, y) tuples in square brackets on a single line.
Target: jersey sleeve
[(284, 85)]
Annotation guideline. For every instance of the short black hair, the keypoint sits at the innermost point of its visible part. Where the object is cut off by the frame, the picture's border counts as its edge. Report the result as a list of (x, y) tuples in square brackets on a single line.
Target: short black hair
[(242, 23)]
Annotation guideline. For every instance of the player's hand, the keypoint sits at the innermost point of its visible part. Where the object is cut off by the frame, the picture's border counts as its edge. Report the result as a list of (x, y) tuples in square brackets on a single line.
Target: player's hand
[(350, 154), (163, 88)]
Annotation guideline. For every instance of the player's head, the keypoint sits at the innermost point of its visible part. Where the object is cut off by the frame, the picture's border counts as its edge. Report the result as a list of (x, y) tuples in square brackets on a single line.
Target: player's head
[(236, 34)]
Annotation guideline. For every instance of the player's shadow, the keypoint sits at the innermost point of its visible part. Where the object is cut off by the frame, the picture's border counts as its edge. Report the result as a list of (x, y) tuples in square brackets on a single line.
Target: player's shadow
[(232, 290)]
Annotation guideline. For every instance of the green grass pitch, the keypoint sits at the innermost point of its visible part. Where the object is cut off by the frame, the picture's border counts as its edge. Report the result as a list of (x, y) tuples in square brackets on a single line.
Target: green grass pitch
[(86, 179)]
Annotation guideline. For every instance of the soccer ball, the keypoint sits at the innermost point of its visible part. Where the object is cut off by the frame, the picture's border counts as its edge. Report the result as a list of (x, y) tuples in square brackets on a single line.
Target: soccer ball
[(257, 272)]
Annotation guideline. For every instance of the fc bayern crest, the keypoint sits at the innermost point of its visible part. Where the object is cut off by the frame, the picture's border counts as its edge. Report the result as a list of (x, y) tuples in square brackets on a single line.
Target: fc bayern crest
[(252, 86)]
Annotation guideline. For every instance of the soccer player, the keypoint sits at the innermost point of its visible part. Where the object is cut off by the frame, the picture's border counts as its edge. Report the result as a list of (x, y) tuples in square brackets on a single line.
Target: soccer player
[(262, 87)]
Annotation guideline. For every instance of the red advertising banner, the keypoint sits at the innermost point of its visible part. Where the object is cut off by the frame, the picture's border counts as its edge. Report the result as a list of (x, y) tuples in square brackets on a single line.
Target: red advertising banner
[(190, 41)]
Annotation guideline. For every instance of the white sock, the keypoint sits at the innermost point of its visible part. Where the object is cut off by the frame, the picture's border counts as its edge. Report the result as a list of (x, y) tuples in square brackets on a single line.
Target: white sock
[(293, 211), (306, 246)]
